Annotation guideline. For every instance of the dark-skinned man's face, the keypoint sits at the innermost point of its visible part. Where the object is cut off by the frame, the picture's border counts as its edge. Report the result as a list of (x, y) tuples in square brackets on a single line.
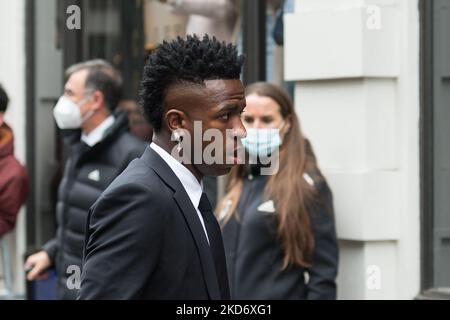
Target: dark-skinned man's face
[(218, 105)]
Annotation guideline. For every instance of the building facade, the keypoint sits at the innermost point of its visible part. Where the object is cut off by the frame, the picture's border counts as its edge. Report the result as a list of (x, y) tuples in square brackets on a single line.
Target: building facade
[(357, 96)]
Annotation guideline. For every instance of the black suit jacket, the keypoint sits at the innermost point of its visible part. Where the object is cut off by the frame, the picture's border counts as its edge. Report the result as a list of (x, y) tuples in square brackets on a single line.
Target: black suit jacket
[(144, 240)]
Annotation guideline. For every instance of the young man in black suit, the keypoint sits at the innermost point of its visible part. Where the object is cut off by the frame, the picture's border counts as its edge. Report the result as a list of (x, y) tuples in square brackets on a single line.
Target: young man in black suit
[(152, 233)]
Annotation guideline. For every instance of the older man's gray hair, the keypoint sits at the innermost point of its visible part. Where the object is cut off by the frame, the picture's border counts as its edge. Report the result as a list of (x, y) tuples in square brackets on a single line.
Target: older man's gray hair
[(102, 76)]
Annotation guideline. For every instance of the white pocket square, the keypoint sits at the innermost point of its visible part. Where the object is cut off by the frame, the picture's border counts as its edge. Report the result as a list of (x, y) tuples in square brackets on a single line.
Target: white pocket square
[(267, 206)]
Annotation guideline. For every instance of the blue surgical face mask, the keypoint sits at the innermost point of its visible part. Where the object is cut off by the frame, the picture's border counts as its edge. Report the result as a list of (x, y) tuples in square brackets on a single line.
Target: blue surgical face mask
[(262, 142)]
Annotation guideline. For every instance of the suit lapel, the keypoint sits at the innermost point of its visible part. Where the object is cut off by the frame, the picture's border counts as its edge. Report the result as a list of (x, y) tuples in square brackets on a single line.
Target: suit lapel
[(184, 203)]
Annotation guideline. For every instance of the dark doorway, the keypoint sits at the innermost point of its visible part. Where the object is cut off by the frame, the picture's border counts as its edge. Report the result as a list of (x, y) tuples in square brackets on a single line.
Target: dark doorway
[(435, 143)]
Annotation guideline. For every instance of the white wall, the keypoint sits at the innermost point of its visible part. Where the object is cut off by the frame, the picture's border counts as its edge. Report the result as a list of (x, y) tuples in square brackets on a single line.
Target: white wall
[(357, 96), (12, 77)]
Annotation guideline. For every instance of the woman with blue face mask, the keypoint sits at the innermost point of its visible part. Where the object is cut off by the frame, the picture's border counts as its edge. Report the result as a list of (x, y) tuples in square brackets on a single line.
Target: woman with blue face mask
[(278, 226)]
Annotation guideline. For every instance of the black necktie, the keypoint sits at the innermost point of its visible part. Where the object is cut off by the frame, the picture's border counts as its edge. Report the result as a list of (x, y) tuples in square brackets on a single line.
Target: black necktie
[(215, 245)]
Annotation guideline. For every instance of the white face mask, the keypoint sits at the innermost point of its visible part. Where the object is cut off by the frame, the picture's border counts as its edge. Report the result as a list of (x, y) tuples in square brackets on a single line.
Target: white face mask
[(67, 114)]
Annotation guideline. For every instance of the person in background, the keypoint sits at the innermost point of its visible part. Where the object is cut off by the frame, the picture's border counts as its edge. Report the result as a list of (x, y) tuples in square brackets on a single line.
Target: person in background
[(100, 149), (139, 126), (213, 17), (278, 230), (13, 176)]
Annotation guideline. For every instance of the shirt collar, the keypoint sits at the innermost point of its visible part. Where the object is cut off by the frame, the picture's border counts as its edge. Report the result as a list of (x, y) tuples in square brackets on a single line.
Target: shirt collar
[(190, 183), (96, 135)]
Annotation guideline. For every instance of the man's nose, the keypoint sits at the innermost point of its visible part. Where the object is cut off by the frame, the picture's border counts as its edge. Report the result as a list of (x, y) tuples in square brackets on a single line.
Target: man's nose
[(239, 129)]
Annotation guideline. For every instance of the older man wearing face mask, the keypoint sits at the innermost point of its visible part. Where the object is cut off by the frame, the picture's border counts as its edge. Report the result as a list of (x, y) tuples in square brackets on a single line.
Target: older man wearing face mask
[(99, 151)]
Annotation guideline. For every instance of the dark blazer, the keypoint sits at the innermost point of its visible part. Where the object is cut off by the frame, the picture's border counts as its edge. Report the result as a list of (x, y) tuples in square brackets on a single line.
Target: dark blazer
[(144, 240), (255, 255)]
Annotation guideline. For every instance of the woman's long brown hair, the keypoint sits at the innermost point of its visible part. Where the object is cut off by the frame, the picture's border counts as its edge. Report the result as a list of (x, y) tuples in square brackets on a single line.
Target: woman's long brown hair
[(287, 188)]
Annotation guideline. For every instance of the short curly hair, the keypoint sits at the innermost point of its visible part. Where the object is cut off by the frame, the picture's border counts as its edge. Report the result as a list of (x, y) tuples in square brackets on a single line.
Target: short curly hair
[(189, 59)]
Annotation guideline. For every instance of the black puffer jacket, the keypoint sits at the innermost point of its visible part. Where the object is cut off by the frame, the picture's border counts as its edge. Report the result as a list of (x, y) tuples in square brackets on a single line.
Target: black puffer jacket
[(88, 171)]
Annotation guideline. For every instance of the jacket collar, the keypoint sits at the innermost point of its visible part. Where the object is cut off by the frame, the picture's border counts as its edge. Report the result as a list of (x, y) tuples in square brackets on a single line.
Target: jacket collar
[(81, 152), (162, 169), (97, 134), (73, 137)]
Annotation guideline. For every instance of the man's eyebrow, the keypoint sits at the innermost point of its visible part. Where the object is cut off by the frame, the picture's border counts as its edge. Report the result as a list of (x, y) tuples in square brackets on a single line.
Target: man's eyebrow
[(224, 96), (229, 107)]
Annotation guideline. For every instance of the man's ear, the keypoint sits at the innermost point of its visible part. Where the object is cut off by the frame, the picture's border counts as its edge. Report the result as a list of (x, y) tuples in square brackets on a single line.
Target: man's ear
[(1, 118), (98, 100), (175, 119)]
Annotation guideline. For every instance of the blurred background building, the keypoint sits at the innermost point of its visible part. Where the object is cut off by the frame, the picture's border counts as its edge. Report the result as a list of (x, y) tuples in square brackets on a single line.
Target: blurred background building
[(369, 78)]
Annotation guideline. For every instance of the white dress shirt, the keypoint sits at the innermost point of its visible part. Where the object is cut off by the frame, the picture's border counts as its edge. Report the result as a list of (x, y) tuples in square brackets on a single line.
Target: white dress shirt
[(193, 188), (96, 135)]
